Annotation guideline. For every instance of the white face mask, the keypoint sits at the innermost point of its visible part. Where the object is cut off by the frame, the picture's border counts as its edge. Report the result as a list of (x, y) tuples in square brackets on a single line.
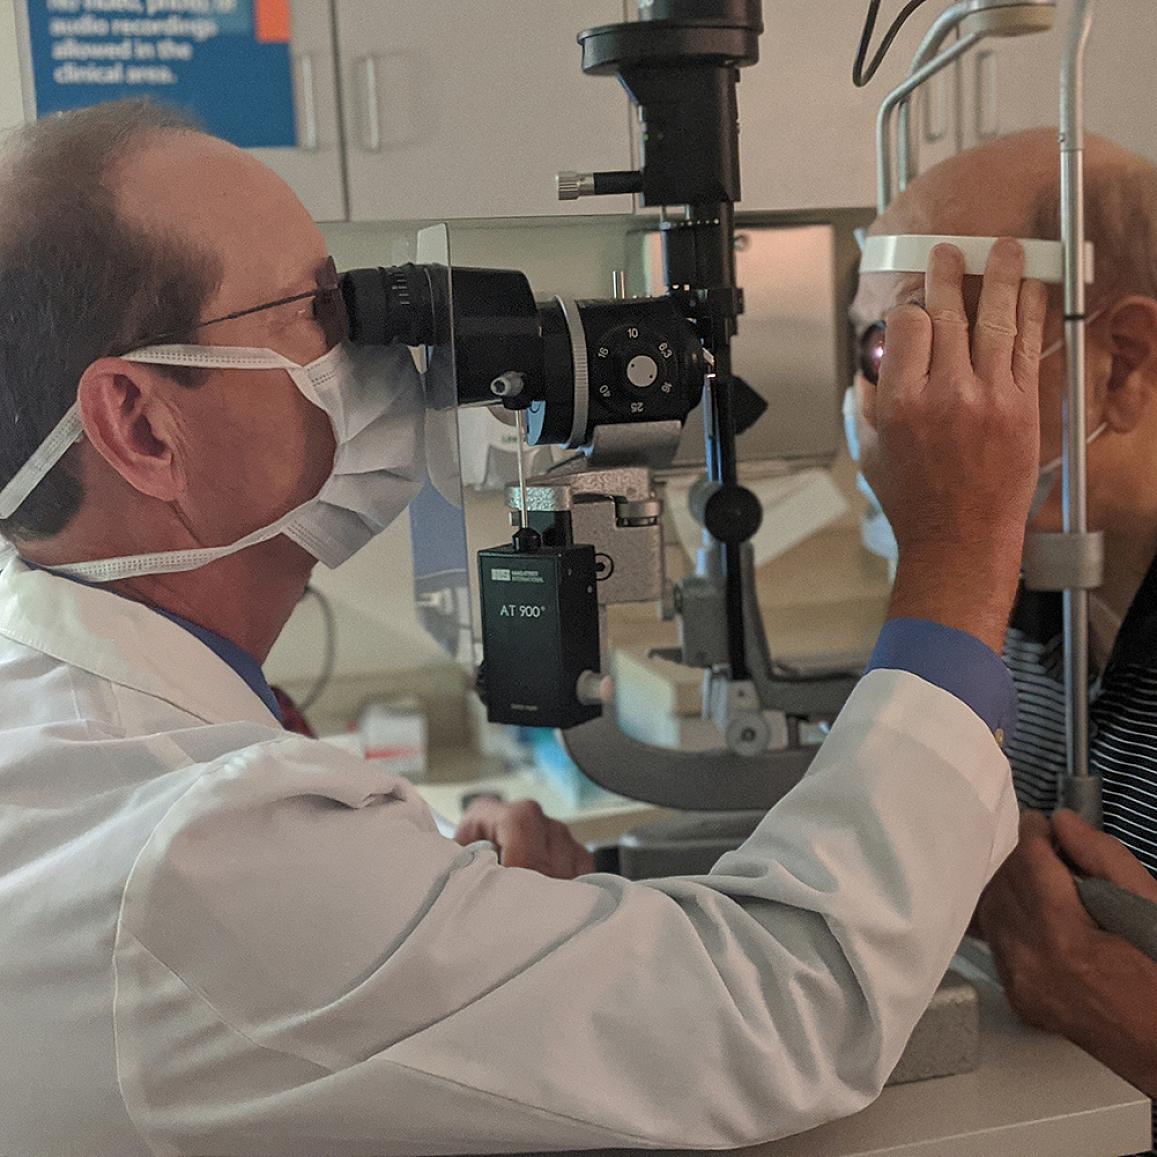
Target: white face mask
[(1051, 471), (373, 397), (875, 529)]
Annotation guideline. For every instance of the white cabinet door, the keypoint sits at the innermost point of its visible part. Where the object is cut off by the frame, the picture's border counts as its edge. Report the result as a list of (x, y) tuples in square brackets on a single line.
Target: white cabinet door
[(807, 134), (468, 108), (1021, 88), (314, 168), (11, 95)]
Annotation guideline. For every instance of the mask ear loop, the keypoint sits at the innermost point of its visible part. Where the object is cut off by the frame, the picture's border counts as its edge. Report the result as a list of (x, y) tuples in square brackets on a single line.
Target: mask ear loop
[(1056, 347), (175, 561), (1055, 463), (210, 357), (1059, 344), (67, 432)]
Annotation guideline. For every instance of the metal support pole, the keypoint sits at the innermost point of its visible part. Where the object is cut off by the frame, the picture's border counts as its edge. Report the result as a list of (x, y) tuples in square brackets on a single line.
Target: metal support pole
[(1081, 790), (906, 149), (894, 98), (719, 428)]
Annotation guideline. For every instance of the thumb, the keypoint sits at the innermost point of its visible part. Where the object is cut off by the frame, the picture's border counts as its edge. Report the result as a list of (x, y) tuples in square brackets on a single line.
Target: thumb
[(1100, 855)]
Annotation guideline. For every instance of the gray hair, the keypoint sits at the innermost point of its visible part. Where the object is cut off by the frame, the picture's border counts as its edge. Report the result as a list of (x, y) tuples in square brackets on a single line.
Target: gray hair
[(1120, 221), (79, 282)]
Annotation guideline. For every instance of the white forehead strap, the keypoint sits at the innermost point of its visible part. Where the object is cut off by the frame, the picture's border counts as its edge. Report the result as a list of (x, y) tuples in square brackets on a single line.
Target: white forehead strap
[(909, 253)]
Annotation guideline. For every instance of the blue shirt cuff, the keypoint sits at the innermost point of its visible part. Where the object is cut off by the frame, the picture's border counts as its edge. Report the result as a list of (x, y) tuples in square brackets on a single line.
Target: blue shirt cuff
[(954, 660)]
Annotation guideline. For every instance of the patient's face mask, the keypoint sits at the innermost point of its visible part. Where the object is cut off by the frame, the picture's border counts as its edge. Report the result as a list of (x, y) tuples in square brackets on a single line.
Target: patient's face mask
[(374, 400)]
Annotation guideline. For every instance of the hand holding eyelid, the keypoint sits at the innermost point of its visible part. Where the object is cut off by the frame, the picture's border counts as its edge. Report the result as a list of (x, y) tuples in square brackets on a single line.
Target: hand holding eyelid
[(954, 464)]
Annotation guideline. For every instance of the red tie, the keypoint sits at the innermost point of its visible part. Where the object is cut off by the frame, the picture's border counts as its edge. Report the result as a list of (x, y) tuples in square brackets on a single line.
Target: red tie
[(294, 720)]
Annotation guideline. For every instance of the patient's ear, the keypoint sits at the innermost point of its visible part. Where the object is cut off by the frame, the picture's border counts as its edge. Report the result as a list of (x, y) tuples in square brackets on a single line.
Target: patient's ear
[(1130, 328)]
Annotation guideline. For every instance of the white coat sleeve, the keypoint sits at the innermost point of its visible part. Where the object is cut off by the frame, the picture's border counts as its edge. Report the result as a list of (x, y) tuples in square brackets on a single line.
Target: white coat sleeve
[(304, 966)]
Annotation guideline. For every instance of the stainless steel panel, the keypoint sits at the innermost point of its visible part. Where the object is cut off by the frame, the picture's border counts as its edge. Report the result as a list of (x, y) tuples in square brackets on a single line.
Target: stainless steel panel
[(788, 345)]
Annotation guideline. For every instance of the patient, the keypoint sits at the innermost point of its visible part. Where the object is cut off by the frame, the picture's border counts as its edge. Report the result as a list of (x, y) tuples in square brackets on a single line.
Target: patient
[(1060, 971)]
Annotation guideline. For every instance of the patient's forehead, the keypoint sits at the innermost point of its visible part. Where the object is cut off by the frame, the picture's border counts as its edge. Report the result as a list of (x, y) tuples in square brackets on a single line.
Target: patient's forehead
[(986, 192)]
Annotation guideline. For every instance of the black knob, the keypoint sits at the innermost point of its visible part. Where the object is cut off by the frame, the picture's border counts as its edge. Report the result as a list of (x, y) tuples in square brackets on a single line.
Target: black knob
[(732, 514)]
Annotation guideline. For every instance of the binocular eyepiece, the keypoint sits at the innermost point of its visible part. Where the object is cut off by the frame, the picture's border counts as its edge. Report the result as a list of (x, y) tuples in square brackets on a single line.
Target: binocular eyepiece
[(578, 364), (399, 303)]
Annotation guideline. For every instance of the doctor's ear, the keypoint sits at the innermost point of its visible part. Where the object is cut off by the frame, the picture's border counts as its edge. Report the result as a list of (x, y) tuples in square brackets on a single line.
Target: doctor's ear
[(130, 422), (1130, 332)]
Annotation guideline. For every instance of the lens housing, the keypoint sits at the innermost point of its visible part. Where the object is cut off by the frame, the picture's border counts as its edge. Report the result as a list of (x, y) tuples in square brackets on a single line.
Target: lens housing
[(613, 362), (583, 364), (399, 303)]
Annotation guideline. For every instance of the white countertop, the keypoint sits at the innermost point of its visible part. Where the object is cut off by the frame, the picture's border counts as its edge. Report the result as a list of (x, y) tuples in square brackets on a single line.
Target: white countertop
[(1033, 1095)]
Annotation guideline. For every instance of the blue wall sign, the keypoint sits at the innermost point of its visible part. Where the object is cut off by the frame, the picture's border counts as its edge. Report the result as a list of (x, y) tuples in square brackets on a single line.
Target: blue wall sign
[(227, 60)]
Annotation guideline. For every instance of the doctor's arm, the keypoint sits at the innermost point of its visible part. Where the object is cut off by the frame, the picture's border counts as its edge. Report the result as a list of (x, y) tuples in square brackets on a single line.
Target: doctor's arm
[(303, 965)]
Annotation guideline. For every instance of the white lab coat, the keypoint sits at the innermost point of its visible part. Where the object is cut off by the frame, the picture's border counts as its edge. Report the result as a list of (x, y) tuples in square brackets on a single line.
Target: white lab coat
[(219, 938)]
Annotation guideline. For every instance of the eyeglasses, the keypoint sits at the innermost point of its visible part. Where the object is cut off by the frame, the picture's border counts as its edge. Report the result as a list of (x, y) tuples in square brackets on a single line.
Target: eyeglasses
[(329, 310), (871, 351)]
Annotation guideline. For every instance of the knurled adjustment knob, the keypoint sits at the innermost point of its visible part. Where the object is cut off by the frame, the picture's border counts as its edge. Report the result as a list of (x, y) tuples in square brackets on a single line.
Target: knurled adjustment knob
[(399, 283), (732, 514)]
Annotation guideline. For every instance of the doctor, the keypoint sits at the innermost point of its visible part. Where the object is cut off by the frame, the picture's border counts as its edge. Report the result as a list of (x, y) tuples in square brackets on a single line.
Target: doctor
[(222, 938)]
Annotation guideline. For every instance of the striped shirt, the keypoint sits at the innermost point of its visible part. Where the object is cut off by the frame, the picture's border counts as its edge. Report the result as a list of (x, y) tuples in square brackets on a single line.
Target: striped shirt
[(1122, 718)]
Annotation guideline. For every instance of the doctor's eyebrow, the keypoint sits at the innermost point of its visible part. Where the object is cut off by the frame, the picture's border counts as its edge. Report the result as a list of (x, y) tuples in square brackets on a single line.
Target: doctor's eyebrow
[(321, 273), (316, 279)]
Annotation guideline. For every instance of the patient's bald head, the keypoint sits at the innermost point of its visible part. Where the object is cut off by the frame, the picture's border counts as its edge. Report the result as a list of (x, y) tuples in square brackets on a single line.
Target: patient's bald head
[(1011, 186)]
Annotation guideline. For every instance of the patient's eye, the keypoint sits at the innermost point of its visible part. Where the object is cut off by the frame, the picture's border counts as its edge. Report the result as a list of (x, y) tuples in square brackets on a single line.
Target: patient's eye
[(872, 351)]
